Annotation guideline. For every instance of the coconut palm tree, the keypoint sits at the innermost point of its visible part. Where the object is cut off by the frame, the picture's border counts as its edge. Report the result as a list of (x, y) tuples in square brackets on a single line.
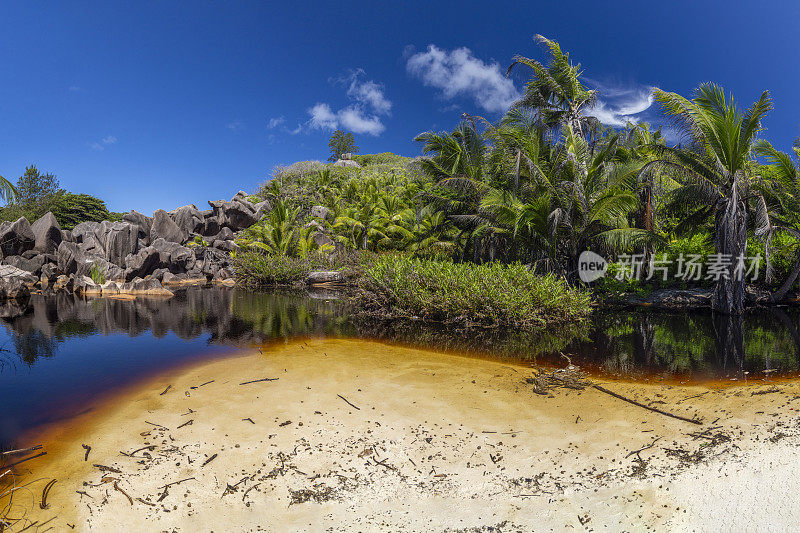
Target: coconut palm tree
[(714, 173), (781, 193), (8, 193), (556, 92)]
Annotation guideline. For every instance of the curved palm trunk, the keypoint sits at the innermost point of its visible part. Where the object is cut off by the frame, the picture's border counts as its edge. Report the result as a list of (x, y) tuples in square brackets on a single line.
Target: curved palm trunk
[(780, 294), (730, 240)]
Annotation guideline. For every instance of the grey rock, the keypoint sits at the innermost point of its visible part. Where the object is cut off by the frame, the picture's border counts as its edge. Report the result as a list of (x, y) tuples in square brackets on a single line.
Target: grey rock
[(84, 230), (320, 211), (321, 239), (165, 228), (33, 265), (118, 240), (346, 163), (69, 257), (47, 233), (144, 223), (188, 218), (16, 237), (13, 288), (324, 276)]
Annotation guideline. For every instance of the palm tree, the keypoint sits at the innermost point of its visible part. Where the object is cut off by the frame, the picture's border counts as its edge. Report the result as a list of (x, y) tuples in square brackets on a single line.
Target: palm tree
[(782, 199), (461, 153), (8, 193), (555, 91), (714, 173)]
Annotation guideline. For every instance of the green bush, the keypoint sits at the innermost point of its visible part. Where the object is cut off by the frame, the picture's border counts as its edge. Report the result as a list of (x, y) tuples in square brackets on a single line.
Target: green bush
[(467, 293), (255, 269), (72, 209)]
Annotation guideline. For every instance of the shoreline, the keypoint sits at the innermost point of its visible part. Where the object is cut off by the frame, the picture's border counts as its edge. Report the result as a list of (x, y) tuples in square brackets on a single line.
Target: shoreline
[(429, 431)]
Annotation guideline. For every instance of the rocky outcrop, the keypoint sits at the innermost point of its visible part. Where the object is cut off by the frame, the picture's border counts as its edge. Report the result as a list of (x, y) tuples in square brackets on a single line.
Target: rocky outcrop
[(165, 228), (324, 276), (103, 257), (16, 237), (47, 234)]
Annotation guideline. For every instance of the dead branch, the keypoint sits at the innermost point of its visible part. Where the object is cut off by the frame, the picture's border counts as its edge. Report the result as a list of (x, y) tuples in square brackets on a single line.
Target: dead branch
[(348, 402), (46, 492), (26, 459), (654, 409), (118, 489), (259, 380), (209, 460)]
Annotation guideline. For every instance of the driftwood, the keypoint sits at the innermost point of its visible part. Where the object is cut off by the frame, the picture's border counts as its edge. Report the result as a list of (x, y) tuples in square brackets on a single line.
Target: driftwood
[(259, 381), (26, 459), (348, 402), (23, 450), (45, 492), (654, 409)]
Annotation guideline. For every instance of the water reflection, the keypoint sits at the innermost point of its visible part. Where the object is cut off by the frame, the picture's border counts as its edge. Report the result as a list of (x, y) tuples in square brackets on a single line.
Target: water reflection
[(58, 352)]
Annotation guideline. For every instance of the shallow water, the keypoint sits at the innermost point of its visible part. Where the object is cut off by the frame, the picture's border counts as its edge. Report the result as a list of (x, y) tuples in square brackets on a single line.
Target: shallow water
[(60, 353)]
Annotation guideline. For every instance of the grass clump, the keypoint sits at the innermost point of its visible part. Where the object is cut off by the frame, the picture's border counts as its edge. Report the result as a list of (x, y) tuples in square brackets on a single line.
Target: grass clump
[(255, 270), (489, 295)]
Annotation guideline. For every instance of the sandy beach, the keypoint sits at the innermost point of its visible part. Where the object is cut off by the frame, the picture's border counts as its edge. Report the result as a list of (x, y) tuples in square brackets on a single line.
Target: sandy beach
[(347, 435)]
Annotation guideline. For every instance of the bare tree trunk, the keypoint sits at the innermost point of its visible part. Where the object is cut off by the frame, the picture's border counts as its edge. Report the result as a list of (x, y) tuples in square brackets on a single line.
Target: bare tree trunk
[(516, 171), (731, 241), (783, 289)]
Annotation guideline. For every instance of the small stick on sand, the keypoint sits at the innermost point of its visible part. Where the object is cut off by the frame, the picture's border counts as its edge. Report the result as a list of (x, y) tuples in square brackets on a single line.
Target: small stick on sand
[(348, 402), (259, 381), (249, 420), (645, 448), (26, 459), (105, 468), (198, 386), (145, 502), (189, 423), (88, 449), (165, 390), (45, 492), (156, 425), (116, 487), (654, 409), (23, 450), (209, 460)]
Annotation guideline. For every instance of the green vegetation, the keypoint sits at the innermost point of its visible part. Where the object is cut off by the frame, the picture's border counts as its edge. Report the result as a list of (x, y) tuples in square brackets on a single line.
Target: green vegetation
[(37, 193), (547, 182), (470, 294)]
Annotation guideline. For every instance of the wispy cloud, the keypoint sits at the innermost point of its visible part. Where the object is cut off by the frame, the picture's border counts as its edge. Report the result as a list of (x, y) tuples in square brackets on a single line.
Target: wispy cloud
[(619, 105), (75, 89), (236, 126), (99, 146), (458, 73), (364, 115), (275, 122)]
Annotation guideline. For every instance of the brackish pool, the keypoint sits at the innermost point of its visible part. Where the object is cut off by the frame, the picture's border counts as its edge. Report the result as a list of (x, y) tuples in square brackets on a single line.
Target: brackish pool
[(60, 353)]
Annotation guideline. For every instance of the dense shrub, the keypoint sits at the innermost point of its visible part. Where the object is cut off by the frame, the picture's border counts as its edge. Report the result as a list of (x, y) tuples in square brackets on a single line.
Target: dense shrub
[(466, 293)]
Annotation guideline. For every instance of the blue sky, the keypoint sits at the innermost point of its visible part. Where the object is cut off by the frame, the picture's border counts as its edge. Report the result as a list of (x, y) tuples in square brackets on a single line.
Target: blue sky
[(159, 104)]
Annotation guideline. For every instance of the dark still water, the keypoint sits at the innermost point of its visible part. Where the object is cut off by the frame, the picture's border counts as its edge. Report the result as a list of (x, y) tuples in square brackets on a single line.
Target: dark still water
[(59, 353)]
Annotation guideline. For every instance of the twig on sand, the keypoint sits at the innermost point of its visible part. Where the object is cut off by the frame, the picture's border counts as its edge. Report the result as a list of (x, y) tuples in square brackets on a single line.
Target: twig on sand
[(105, 468), (189, 423), (149, 448), (654, 409), (348, 402), (198, 386), (83, 493), (156, 425), (248, 490), (653, 443), (165, 390), (259, 380), (88, 449), (383, 464), (22, 450), (248, 419), (45, 492), (118, 489), (145, 502), (209, 460), (26, 459), (168, 485)]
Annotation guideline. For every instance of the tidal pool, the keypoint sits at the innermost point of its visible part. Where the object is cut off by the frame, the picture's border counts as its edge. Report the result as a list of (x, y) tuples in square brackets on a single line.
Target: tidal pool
[(61, 353)]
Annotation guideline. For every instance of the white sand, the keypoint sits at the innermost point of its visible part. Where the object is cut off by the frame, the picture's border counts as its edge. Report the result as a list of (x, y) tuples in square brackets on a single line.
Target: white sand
[(440, 442)]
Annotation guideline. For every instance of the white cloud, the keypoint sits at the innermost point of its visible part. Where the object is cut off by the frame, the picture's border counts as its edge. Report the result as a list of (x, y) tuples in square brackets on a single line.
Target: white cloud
[(236, 126), (619, 105), (323, 117), (99, 146), (275, 122), (459, 73), (362, 116), (355, 120), (369, 93)]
